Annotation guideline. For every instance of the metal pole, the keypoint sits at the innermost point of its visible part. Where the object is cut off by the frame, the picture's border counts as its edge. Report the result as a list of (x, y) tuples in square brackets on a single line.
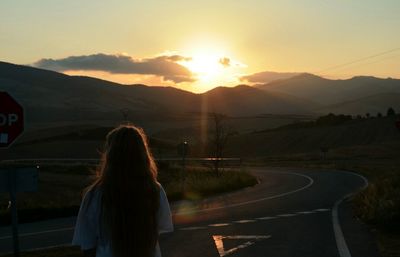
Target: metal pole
[(14, 214), (184, 152), (183, 168)]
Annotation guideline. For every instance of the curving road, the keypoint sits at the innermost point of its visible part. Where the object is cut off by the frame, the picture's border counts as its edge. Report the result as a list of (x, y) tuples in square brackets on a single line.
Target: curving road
[(291, 212)]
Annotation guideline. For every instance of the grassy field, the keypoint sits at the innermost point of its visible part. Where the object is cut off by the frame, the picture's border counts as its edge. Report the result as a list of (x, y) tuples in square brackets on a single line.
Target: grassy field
[(60, 189)]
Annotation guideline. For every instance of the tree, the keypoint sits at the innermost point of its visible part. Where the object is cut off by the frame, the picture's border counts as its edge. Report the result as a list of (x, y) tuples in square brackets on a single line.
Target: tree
[(367, 115), (379, 115), (390, 112), (219, 138)]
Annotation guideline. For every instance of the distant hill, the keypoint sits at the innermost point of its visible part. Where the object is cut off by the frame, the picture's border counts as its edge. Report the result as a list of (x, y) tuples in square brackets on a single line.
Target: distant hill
[(331, 92), (51, 97), (242, 100), (70, 142), (371, 136), (372, 104), (353, 133), (54, 97), (267, 76)]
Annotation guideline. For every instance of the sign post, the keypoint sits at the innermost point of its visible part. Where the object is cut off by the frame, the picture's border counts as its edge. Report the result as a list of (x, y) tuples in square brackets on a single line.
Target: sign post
[(183, 149), (11, 127), (13, 180)]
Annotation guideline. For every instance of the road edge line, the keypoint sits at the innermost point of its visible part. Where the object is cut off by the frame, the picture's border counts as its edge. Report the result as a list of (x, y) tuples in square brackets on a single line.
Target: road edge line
[(38, 249), (341, 244), (309, 184), (38, 233)]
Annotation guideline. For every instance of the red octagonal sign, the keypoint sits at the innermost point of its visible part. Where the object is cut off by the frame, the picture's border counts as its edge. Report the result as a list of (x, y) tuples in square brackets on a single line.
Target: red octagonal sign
[(11, 120)]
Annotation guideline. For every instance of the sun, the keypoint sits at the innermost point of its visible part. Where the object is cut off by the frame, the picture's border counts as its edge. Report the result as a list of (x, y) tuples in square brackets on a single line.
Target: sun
[(212, 65), (205, 65)]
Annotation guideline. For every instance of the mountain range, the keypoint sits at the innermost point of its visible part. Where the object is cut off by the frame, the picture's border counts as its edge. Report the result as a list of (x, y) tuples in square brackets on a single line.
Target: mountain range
[(49, 96), (333, 92)]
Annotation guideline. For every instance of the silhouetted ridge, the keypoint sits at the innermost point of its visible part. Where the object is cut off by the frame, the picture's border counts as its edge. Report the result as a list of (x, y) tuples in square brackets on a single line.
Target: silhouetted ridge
[(52, 96)]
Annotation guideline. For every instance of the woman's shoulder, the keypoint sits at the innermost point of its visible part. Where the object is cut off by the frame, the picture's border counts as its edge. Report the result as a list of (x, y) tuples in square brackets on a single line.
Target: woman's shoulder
[(93, 192), (160, 187), (92, 197)]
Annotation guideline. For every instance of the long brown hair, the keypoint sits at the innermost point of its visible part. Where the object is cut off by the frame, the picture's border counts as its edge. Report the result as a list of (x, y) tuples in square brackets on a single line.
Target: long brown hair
[(127, 179)]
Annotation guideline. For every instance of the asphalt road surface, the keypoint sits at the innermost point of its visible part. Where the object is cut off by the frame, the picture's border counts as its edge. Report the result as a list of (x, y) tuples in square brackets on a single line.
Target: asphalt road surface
[(291, 212)]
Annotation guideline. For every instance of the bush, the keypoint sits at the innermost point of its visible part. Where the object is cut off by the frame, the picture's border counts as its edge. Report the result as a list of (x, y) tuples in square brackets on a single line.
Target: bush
[(379, 203)]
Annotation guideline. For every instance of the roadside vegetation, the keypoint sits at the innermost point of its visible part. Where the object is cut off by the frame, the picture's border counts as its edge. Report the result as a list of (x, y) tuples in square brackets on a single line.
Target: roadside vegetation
[(61, 187), (379, 205)]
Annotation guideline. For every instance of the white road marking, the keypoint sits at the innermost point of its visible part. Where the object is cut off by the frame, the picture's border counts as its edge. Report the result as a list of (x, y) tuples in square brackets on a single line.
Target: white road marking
[(192, 228), (40, 232), (322, 210), (340, 240), (287, 215), (39, 249), (244, 221), (266, 218), (305, 212), (219, 225), (218, 240), (310, 182)]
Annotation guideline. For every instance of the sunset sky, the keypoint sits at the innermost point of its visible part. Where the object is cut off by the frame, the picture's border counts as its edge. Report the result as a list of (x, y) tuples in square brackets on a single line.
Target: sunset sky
[(197, 45)]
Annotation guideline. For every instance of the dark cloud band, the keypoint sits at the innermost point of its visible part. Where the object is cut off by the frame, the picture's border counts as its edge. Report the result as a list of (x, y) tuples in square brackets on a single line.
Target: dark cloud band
[(164, 66)]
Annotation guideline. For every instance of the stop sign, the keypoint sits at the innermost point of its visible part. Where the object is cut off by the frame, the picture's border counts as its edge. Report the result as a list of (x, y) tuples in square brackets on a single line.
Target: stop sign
[(11, 120)]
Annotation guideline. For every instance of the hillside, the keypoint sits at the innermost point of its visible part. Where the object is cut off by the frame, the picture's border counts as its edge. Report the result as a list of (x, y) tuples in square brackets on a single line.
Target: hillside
[(331, 92), (51, 96), (242, 100), (372, 104), (358, 137), (355, 133), (54, 97)]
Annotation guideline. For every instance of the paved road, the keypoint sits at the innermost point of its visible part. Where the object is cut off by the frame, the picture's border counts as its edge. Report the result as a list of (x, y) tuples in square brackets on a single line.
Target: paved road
[(291, 212)]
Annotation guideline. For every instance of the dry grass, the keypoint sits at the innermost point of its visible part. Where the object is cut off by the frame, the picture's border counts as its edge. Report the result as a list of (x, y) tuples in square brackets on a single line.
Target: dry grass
[(60, 189), (200, 183)]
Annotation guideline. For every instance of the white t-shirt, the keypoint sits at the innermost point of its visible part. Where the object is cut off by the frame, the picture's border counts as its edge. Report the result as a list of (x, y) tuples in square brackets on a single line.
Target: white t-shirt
[(87, 231)]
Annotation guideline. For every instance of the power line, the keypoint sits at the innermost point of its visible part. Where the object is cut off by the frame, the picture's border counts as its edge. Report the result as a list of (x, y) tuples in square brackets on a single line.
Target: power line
[(359, 60), (376, 61)]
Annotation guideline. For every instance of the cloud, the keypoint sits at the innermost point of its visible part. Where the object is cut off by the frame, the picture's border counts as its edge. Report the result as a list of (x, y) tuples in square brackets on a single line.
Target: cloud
[(267, 76), (164, 66), (225, 61)]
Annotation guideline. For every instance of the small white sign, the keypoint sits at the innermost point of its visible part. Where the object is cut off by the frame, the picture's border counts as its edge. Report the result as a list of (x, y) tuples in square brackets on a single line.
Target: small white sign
[(3, 138)]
